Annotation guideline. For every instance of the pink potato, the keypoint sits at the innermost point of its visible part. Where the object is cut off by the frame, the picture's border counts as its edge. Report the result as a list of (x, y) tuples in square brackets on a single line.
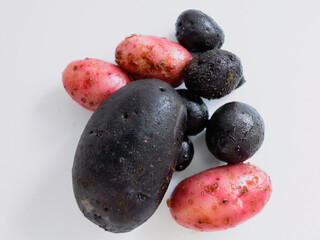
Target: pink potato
[(90, 81), (220, 198), (153, 57)]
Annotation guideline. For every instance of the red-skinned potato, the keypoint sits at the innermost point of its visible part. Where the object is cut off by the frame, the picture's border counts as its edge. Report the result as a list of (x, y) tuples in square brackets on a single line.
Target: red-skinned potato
[(220, 198), (153, 57), (90, 81)]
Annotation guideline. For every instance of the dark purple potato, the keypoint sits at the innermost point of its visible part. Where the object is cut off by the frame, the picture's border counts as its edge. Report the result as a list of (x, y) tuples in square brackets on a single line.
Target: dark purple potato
[(213, 74), (186, 155), (127, 154), (235, 132), (197, 112), (198, 32)]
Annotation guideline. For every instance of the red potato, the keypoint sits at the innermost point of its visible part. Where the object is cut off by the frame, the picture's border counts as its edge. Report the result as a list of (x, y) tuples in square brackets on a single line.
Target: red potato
[(90, 81), (153, 57), (220, 198)]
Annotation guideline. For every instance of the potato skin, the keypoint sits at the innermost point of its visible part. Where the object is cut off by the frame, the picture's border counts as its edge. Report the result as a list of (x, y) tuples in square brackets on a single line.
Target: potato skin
[(198, 32), (235, 132), (90, 81), (197, 112), (213, 74), (220, 198), (127, 154), (153, 57), (186, 155)]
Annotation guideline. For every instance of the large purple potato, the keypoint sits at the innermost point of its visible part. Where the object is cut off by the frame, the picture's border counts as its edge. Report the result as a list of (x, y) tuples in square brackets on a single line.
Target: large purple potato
[(127, 154)]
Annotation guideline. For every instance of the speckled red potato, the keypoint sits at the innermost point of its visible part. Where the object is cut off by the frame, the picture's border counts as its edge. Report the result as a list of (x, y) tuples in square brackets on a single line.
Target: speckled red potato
[(90, 81), (220, 198), (153, 57)]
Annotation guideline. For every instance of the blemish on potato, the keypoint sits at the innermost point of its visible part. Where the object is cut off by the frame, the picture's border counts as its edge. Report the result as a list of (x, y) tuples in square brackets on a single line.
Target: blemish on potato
[(169, 203), (212, 188), (244, 190), (253, 181), (184, 188), (88, 83), (87, 205)]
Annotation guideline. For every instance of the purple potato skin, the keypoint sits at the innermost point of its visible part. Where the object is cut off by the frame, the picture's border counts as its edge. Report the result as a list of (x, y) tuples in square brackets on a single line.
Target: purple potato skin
[(213, 74), (127, 154), (186, 155), (235, 132), (198, 32), (197, 112)]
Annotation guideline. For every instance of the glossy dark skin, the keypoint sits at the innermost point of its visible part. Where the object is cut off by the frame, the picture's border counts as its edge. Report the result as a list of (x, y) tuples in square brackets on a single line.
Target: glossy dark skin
[(186, 155), (197, 112), (235, 132), (127, 154), (198, 32), (213, 74)]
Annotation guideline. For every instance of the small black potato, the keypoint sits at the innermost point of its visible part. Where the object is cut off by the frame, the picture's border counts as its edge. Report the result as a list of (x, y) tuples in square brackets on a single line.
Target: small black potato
[(235, 132), (197, 112), (186, 155), (213, 74), (198, 32), (127, 154)]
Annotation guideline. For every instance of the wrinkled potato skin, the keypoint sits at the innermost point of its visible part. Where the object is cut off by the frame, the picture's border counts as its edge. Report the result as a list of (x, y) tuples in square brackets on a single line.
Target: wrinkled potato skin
[(90, 81), (235, 132), (220, 198), (214, 74), (153, 57)]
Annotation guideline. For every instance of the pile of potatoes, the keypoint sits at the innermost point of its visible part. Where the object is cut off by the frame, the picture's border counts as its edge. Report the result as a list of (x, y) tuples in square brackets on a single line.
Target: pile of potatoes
[(138, 134)]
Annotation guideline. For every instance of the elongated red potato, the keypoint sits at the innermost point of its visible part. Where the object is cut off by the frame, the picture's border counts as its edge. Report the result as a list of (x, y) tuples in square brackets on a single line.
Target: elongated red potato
[(90, 81), (220, 198), (153, 57)]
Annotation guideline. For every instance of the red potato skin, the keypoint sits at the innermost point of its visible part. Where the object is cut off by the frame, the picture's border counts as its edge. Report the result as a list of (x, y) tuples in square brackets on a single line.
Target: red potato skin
[(220, 198), (153, 57), (90, 81)]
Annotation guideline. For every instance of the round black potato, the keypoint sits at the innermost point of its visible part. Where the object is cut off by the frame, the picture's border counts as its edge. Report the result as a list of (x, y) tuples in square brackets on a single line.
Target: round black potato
[(197, 112), (213, 74), (186, 155), (235, 132), (127, 154), (198, 32)]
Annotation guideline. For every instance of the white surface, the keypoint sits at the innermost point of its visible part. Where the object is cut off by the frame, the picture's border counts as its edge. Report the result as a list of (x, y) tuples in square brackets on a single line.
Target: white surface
[(278, 43)]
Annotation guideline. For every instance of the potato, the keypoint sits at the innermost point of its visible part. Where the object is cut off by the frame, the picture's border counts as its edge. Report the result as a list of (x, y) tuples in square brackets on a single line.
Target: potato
[(127, 154), (198, 32), (186, 154), (197, 112), (153, 57), (90, 81), (214, 74), (235, 132), (220, 198)]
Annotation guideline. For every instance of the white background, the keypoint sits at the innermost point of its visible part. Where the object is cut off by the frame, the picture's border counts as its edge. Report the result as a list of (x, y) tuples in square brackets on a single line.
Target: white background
[(278, 43)]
